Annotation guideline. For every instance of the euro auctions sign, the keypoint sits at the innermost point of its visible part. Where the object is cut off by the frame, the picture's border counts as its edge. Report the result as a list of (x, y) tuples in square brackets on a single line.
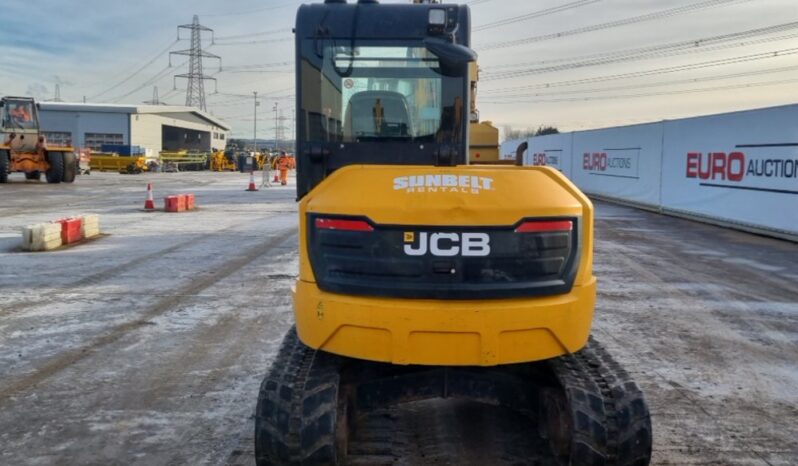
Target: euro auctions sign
[(621, 163), (769, 168)]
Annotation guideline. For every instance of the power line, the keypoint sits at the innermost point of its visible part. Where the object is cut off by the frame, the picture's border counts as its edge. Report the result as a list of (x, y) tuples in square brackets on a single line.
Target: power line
[(137, 71), (691, 43), (160, 75), (249, 12), (783, 69), (259, 41), (258, 65), (657, 71), (612, 24), (170, 93), (654, 94), (688, 47), (262, 94), (536, 14), (254, 34)]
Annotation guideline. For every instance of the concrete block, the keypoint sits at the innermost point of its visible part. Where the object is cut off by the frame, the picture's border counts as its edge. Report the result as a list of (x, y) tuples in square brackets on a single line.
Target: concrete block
[(41, 237), (71, 229), (91, 225), (175, 203), (190, 201), (91, 232)]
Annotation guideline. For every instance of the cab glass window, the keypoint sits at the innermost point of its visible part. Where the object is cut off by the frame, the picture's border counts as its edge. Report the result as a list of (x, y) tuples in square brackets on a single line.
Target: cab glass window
[(19, 114), (368, 92)]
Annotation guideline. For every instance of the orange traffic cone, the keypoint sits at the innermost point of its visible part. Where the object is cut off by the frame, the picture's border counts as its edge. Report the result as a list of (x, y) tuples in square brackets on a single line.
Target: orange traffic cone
[(149, 204), (252, 186)]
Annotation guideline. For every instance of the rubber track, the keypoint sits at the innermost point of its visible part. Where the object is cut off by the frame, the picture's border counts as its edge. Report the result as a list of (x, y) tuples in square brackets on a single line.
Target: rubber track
[(276, 432), (611, 421), (628, 419), (296, 415), (588, 446), (298, 409)]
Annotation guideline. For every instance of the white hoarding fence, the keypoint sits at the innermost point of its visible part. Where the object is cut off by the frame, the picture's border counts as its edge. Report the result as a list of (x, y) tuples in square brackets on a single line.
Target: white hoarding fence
[(508, 148), (739, 169), (620, 162), (553, 150)]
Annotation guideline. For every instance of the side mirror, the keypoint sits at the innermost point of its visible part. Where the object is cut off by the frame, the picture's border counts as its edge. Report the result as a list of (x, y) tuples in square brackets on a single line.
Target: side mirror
[(450, 54)]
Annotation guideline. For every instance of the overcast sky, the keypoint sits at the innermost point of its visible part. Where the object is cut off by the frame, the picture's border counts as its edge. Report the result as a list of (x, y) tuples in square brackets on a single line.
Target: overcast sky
[(574, 64)]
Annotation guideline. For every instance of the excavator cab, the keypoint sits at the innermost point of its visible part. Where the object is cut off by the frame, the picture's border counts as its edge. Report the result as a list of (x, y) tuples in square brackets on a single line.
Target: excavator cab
[(367, 87), (421, 276)]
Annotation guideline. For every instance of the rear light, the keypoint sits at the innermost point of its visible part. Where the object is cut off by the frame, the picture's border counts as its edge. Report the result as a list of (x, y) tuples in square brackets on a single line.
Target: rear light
[(544, 226), (342, 225)]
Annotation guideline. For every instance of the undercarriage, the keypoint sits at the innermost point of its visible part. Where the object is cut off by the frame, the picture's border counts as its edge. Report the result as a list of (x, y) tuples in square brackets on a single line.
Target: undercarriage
[(314, 407)]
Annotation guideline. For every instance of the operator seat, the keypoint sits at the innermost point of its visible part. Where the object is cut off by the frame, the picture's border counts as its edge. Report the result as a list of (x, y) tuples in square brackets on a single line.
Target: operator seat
[(377, 115)]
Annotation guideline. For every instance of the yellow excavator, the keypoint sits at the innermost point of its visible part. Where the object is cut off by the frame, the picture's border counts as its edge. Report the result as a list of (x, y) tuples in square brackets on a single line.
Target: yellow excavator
[(421, 275), (23, 148)]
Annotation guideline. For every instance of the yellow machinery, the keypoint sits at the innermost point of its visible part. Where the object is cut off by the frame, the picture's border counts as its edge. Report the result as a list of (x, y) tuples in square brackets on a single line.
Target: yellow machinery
[(110, 162), (24, 149), (261, 159), (420, 275), (184, 160), (222, 161), (483, 138), (483, 145)]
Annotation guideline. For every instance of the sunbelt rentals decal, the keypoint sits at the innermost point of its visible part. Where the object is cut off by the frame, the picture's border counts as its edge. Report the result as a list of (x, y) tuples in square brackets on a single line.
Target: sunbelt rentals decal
[(466, 184)]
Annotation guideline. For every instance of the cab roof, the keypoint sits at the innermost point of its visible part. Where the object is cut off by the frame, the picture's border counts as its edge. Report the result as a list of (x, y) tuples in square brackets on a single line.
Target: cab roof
[(377, 21)]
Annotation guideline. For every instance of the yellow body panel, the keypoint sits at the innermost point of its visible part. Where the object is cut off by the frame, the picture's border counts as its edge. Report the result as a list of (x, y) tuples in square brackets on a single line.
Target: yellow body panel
[(483, 143), (220, 163), (447, 332), (114, 163), (31, 161)]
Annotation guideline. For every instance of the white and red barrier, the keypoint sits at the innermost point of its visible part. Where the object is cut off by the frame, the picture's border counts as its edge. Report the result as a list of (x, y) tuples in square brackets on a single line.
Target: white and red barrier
[(64, 231), (737, 169)]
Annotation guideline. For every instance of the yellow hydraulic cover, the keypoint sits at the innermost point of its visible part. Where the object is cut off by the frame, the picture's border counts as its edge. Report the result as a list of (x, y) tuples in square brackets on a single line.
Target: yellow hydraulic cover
[(480, 332)]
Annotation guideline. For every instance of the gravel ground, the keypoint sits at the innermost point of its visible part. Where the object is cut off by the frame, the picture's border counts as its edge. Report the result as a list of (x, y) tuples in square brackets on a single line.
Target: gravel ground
[(147, 346)]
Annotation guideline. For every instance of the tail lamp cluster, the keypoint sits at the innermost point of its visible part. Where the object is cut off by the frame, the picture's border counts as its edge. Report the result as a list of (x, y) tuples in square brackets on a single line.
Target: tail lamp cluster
[(532, 226)]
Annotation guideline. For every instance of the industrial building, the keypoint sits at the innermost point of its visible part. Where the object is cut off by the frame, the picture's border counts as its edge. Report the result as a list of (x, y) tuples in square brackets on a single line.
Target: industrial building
[(155, 128)]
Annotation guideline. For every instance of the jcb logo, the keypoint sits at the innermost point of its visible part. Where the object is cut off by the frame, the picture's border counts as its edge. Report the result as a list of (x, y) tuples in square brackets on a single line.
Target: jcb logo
[(447, 244)]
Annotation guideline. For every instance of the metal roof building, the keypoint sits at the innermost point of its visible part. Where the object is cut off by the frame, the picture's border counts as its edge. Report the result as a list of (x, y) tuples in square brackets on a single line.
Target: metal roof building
[(156, 128)]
